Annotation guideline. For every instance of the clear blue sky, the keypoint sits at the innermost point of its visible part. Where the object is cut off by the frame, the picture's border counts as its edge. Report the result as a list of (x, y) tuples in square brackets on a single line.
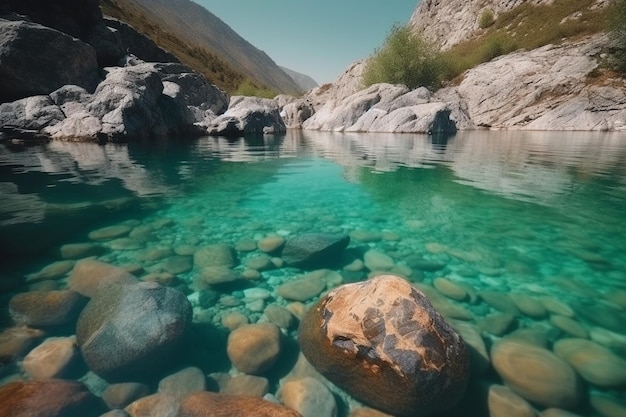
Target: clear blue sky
[(319, 38)]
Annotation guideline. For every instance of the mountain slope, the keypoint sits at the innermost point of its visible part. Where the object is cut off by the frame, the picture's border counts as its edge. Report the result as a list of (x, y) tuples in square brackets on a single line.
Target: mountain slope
[(199, 28), (305, 82)]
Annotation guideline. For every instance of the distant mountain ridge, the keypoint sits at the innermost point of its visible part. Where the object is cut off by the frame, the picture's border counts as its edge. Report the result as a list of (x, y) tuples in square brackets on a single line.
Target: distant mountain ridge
[(304, 81), (199, 28)]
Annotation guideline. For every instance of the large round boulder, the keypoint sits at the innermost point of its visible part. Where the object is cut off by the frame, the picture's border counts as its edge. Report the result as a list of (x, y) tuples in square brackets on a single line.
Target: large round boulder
[(383, 342), (129, 331)]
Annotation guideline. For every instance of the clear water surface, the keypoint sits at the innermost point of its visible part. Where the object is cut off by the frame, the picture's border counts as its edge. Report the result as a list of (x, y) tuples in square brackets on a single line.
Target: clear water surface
[(539, 214)]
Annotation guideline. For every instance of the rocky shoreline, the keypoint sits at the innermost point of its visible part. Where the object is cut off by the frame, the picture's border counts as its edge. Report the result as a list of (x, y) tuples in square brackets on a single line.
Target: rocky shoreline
[(99, 92)]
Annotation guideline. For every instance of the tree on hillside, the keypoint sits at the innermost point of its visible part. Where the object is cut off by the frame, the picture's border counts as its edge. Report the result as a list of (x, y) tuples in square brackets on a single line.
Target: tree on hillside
[(405, 58), (618, 33)]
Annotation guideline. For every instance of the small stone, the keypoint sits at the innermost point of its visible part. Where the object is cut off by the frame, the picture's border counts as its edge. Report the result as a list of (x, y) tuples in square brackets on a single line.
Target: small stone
[(125, 243), (314, 250), (154, 254), (51, 359), (355, 266), (183, 382), (500, 301), (229, 301), (367, 412), (391, 236), (234, 320), (569, 326), (450, 289), (48, 397), (255, 386), (302, 289), (90, 275), (246, 245), (557, 412), (80, 250), (143, 233), (529, 306), (309, 397), (160, 404), (43, 286), (297, 309), (365, 236), (16, 341), (111, 232), (42, 309), (250, 275), (215, 275), (503, 402), (271, 244), (556, 306), (185, 250), (279, 316), (607, 407), (215, 256), (497, 324), (254, 348), (53, 271), (595, 363), (377, 261), (222, 405), (259, 263), (536, 374), (177, 264), (118, 396), (608, 338)]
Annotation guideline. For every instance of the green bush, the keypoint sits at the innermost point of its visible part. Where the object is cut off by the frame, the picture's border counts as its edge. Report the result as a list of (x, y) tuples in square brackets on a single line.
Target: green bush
[(249, 88), (405, 58), (617, 26), (486, 19)]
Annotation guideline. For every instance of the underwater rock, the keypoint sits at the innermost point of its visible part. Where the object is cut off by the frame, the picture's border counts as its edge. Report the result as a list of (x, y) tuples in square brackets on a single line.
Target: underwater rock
[(80, 250), (536, 374), (90, 275), (503, 402), (557, 412), (234, 320), (184, 382), (49, 308), (607, 407), (529, 306), (222, 405), (569, 326), (367, 412), (129, 331), (110, 232), (271, 244), (500, 301), (215, 275), (53, 271), (160, 404), (118, 396), (48, 398), (259, 263), (314, 249), (377, 261), (255, 386), (215, 255), (51, 359), (309, 397), (450, 289), (595, 363), (279, 316), (302, 289), (556, 306), (16, 341), (497, 324), (254, 348), (383, 342)]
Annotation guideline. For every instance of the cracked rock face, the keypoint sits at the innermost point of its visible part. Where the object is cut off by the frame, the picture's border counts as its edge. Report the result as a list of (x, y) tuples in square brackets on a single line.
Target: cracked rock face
[(383, 342)]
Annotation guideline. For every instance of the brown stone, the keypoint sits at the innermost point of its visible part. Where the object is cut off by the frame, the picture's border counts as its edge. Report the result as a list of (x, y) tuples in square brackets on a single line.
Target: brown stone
[(309, 397), (118, 396), (89, 275), (186, 381), (607, 407), (16, 341), (53, 271), (221, 405), (302, 289), (48, 398), (536, 374), (450, 289), (254, 348), (51, 359), (383, 342), (367, 412), (251, 385), (49, 308), (594, 362), (503, 402), (161, 405), (271, 244)]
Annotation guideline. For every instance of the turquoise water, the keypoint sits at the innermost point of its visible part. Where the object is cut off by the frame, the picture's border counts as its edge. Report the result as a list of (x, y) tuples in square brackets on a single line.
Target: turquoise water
[(538, 214)]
